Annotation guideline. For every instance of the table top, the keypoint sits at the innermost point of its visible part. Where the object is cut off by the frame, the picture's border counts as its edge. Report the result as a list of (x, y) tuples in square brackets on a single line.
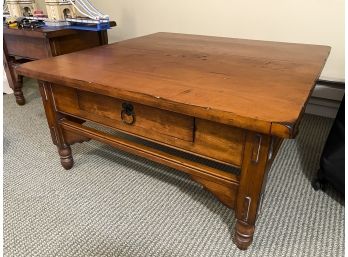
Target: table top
[(44, 32), (258, 85)]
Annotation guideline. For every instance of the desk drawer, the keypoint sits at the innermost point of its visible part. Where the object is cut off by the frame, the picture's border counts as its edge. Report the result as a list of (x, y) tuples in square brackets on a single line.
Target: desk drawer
[(146, 121)]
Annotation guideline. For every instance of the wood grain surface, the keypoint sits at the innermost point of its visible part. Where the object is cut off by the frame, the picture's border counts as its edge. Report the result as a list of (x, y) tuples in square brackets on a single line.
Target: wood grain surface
[(258, 85)]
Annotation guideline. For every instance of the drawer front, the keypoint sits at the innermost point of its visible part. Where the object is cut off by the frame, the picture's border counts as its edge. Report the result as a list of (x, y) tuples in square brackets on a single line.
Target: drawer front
[(205, 138), (146, 121), (29, 47), (218, 141)]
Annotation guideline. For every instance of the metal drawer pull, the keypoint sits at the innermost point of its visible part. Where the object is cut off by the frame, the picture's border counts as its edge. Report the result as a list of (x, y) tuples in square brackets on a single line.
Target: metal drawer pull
[(127, 114)]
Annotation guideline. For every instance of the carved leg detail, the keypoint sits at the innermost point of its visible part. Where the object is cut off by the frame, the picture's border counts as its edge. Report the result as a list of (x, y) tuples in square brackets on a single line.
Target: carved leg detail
[(243, 236), (18, 91), (66, 158)]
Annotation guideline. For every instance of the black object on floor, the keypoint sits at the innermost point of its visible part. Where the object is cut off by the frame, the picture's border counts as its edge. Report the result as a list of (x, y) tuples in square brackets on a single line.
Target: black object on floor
[(332, 159)]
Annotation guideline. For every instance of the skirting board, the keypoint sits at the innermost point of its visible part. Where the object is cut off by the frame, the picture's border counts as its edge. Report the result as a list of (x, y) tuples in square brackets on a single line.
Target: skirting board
[(326, 98)]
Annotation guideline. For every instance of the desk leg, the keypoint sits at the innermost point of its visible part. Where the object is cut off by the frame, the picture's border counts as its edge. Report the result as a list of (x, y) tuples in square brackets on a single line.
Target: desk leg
[(253, 173)]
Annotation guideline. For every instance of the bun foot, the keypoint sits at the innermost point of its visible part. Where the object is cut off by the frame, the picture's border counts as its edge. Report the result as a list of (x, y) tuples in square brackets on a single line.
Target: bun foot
[(66, 158), (20, 100), (243, 236)]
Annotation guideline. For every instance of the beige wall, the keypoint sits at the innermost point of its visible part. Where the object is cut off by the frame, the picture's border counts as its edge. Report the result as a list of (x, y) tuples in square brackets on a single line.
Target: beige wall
[(304, 21)]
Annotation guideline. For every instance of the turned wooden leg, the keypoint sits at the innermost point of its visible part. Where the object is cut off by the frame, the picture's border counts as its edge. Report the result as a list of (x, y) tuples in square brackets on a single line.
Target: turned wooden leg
[(18, 91), (66, 158), (14, 80), (243, 236), (61, 138), (253, 174)]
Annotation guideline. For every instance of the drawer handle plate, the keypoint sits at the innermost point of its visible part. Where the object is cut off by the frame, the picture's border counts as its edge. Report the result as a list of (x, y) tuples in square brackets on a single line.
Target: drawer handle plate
[(128, 114)]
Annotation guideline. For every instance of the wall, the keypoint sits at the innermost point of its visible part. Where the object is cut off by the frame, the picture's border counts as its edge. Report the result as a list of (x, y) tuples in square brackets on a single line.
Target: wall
[(309, 21), (5, 86)]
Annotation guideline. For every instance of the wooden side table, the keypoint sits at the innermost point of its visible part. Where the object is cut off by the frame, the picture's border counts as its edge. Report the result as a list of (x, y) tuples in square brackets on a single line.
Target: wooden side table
[(23, 45)]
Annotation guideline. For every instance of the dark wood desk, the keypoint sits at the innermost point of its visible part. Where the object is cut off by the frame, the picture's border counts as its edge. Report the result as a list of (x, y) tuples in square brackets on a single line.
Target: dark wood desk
[(230, 101), (23, 45)]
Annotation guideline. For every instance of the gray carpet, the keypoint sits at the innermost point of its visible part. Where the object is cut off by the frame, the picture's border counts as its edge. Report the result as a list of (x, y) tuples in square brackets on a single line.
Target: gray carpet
[(116, 204)]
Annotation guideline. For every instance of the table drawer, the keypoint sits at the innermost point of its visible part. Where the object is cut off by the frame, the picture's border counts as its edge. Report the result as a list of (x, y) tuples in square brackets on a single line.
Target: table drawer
[(146, 121), (27, 47), (204, 138)]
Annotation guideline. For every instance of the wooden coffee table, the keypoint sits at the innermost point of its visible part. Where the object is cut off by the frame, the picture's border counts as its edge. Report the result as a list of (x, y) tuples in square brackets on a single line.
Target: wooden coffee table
[(229, 101)]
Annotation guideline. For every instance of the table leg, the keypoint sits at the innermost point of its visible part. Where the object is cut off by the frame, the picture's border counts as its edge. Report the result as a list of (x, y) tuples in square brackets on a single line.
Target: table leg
[(53, 116), (253, 171), (66, 158), (15, 81), (18, 90), (62, 139)]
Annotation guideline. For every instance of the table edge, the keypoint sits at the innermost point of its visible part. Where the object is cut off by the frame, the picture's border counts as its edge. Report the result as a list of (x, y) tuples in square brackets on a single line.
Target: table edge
[(280, 129)]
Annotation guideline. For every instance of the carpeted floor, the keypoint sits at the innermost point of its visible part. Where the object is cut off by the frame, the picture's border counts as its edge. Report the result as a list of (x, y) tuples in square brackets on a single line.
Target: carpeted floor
[(116, 204)]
